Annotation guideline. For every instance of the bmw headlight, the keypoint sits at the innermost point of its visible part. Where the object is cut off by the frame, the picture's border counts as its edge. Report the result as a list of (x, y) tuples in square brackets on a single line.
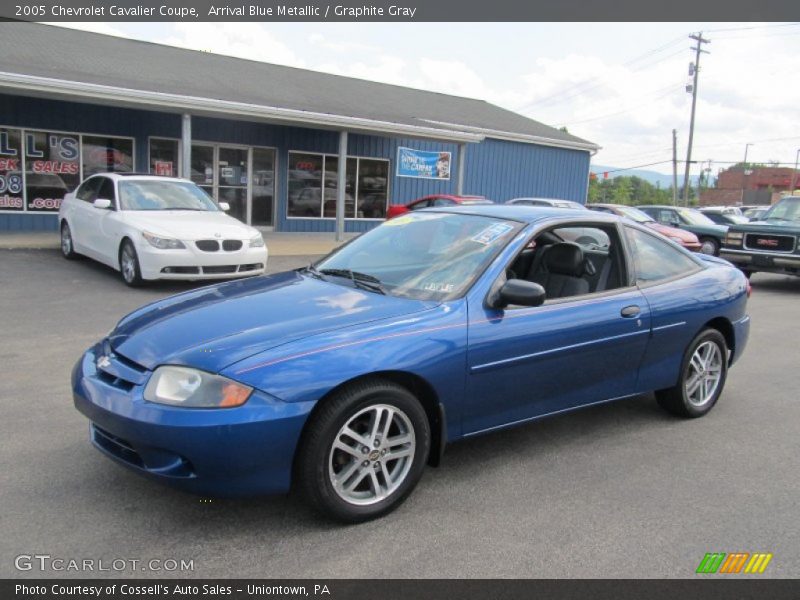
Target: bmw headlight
[(162, 243), (183, 386), (257, 241)]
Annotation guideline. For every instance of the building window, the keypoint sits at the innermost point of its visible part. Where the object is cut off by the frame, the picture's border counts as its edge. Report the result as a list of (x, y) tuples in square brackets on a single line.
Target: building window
[(313, 182), (52, 168), (11, 197), (37, 168), (164, 157), (106, 155)]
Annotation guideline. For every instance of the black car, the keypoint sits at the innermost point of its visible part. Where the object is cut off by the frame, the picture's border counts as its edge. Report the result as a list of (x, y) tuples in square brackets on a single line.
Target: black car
[(769, 245)]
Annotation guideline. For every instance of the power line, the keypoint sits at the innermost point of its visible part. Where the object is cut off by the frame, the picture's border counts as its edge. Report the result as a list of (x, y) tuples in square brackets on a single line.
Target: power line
[(771, 26), (600, 80), (669, 89)]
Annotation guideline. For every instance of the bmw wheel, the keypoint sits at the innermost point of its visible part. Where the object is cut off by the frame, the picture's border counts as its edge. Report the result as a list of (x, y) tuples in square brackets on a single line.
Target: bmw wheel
[(67, 246), (703, 373), (363, 452), (129, 265)]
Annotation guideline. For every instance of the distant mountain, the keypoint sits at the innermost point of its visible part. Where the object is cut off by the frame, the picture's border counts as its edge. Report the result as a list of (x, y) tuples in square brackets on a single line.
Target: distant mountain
[(662, 180)]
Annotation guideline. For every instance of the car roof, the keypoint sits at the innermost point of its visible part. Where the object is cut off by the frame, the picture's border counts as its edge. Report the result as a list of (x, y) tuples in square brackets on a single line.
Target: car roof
[(136, 176), (449, 197), (525, 214)]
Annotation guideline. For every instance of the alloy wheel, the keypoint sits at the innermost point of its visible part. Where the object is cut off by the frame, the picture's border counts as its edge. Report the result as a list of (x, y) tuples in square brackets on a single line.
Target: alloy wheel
[(704, 374), (66, 241), (128, 265), (372, 455)]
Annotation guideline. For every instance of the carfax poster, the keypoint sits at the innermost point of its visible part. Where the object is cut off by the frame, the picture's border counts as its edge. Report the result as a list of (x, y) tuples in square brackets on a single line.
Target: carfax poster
[(423, 164)]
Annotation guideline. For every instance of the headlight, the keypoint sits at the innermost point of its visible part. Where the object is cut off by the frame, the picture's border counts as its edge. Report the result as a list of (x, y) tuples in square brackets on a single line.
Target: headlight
[(734, 238), (182, 386), (257, 241), (162, 243)]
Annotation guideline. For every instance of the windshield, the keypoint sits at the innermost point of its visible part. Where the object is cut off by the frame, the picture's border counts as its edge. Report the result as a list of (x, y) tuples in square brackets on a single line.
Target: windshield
[(694, 217), (737, 219), (787, 209), (145, 194), (634, 214), (423, 255)]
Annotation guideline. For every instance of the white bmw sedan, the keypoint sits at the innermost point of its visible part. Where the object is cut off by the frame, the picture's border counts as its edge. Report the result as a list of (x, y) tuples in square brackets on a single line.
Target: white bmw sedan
[(150, 227)]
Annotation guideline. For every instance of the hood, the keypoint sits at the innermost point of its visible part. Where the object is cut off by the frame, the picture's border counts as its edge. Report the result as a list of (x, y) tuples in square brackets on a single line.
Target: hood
[(782, 227), (683, 235), (215, 326), (189, 224)]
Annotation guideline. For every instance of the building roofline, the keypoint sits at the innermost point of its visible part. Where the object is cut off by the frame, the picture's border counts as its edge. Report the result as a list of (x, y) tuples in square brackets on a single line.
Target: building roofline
[(182, 103), (521, 137)]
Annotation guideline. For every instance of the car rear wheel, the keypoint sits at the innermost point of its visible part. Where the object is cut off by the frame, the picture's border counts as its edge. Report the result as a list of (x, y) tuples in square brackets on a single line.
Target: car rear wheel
[(363, 452), (709, 246), (67, 245), (703, 373), (129, 265)]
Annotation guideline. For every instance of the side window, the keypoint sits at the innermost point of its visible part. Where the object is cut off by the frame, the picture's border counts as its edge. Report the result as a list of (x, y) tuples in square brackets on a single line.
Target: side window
[(107, 191), (656, 259), (572, 261), (419, 205), (88, 191)]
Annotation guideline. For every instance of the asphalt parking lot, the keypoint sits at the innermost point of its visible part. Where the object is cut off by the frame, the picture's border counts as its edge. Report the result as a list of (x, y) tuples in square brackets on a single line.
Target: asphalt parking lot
[(621, 490)]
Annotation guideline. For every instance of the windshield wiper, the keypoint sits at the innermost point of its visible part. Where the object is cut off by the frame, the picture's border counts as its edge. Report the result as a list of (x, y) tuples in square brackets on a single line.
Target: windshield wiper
[(360, 280), (313, 271)]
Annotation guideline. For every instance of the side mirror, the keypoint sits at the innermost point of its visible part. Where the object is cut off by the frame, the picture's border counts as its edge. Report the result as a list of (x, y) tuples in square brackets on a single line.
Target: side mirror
[(225, 206), (103, 203), (519, 292)]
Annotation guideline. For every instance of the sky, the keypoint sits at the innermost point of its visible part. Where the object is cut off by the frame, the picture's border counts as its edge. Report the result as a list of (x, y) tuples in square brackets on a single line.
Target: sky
[(620, 85)]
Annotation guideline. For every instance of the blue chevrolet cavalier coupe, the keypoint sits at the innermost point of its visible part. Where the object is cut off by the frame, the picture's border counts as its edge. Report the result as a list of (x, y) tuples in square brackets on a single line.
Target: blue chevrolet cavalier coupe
[(344, 379)]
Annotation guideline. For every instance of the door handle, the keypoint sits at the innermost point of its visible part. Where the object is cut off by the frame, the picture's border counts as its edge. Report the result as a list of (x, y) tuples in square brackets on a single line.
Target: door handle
[(630, 311)]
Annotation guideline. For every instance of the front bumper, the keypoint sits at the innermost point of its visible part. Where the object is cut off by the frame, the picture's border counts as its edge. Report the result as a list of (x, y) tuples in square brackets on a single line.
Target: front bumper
[(247, 450), (769, 262), (190, 263)]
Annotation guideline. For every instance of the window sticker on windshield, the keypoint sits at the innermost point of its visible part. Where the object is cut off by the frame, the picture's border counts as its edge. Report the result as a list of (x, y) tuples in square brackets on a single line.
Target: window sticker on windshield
[(491, 233), (437, 286), (398, 221)]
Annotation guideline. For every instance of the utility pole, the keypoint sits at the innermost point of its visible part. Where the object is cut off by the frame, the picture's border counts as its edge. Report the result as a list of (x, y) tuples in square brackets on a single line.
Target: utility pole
[(694, 69), (744, 171), (674, 167), (794, 173)]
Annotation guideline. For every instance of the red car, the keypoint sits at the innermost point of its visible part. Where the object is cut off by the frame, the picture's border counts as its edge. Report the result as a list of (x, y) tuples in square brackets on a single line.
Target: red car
[(685, 238), (434, 200)]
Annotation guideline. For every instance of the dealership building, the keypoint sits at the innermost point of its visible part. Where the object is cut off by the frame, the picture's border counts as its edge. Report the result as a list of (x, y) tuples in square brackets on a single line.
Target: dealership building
[(289, 149)]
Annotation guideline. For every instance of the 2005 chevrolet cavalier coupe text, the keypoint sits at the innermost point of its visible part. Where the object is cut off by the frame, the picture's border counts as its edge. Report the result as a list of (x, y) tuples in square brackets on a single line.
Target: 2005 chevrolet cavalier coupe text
[(344, 379)]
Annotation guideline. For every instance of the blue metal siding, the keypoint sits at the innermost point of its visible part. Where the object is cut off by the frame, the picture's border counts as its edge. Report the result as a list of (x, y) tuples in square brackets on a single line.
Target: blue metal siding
[(494, 168), (503, 170)]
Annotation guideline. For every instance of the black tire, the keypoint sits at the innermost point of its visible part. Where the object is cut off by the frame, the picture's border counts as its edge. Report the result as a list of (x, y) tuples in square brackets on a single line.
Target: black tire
[(67, 243), (316, 459), (131, 276), (676, 399), (709, 245)]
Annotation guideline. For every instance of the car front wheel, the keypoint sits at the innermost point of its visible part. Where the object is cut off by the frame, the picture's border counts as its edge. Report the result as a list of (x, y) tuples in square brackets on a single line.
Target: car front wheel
[(67, 245), (703, 372), (129, 265), (363, 452), (709, 246)]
